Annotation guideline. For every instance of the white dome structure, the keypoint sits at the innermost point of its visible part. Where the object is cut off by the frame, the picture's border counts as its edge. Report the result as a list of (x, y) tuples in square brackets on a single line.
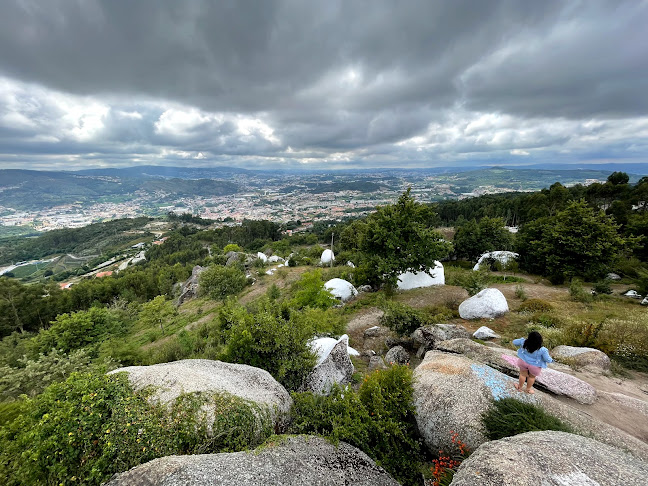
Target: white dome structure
[(416, 280)]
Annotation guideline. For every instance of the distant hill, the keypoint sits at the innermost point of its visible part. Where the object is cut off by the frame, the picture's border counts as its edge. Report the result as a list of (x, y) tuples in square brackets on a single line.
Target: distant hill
[(28, 190)]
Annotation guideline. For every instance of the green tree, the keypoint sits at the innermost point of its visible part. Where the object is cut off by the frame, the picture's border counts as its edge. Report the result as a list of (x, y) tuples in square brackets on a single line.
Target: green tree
[(576, 242), (157, 312), (218, 282), (398, 239), (473, 239), (617, 178)]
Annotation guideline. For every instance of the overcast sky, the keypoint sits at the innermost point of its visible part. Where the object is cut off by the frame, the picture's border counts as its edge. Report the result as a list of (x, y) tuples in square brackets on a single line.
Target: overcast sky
[(322, 83)]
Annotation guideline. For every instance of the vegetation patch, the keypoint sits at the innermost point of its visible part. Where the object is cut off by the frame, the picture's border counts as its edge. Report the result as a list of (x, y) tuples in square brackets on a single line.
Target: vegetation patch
[(378, 419), (93, 425), (508, 417)]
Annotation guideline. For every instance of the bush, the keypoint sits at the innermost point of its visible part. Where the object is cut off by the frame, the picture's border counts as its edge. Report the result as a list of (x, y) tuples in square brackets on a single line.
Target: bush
[(270, 339), (80, 329), (378, 419), (219, 282), (311, 292), (401, 318), (535, 305), (578, 293), (602, 287), (33, 376), (520, 293), (93, 426), (509, 417)]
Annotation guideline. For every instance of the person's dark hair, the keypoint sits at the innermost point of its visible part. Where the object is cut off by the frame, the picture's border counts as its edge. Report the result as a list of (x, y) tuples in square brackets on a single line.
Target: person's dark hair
[(533, 342)]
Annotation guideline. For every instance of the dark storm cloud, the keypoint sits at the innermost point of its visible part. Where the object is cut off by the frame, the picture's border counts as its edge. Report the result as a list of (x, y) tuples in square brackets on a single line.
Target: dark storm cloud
[(282, 81)]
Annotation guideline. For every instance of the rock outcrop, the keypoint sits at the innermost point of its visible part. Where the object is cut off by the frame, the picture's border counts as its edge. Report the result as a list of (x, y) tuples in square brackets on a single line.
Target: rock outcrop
[(341, 289), (191, 286), (170, 380), (487, 304), (425, 337), (589, 359), (292, 461), (505, 361), (415, 280), (503, 257), (397, 355), (451, 392), (485, 333), (335, 367), (550, 458)]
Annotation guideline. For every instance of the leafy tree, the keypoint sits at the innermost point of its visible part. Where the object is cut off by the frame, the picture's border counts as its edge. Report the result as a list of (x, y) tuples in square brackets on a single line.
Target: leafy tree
[(398, 239), (80, 330), (157, 312), (473, 239), (218, 282), (617, 178), (578, 241)]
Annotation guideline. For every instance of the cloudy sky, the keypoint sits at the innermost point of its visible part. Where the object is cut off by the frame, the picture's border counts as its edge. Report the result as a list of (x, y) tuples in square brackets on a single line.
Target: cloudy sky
[(285, 83)]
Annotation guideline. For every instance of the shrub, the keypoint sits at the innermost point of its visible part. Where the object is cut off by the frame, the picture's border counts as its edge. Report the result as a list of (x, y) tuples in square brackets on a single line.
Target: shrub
[(232, 247), (93, 425), (520, 293), (401, 318), (311, 292), (535, 305), (508, 417), (270, 339), (602, 287), (33, 376), (378, 419), (80, 329), (219, 282), (546, 320), (578, 293)]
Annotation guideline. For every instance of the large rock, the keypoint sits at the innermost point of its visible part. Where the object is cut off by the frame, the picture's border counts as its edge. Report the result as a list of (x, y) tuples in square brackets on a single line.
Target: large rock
[(292, 461), (487, 304), (505, 361), (276, 259), (415, 280), (451, 392), (341, 289), (233, 258), (503, 257), (191, 286), (397, 355), (336, 367), (327, 257), (324, 345), (589, 359), (170, 380), (426, 337), (550, 458), (485, 333)]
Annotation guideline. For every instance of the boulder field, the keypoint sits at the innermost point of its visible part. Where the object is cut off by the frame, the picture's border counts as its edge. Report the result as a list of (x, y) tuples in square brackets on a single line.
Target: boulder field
[(451, 392)]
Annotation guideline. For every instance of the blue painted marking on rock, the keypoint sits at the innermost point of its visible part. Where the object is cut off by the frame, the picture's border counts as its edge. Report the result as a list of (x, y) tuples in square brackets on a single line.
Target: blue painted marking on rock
[(497, 383)]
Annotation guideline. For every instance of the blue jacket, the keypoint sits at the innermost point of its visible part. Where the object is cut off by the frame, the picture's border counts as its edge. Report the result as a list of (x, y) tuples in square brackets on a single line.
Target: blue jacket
[(540, 357)]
